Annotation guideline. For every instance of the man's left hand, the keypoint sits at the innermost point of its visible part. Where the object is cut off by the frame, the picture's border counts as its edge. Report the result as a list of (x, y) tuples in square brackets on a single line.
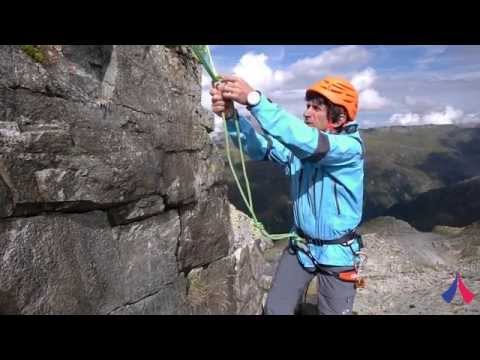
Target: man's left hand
[(235, 88)]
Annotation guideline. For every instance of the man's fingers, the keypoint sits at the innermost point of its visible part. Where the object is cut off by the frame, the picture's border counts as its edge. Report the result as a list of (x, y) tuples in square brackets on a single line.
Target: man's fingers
[(218, 103), (216, 97), (225, 86), (231, 96), (230, 78), (230, 88), (227, 95)]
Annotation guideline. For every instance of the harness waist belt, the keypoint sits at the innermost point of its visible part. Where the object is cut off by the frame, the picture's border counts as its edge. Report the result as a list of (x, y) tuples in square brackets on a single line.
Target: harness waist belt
[(342, 240)]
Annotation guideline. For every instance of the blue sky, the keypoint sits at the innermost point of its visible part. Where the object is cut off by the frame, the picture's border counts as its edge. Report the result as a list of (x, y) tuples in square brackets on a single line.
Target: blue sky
[(398, 85)]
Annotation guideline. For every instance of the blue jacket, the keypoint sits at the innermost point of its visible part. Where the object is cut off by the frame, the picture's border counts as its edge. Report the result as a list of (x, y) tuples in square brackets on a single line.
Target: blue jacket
[(326, 172)]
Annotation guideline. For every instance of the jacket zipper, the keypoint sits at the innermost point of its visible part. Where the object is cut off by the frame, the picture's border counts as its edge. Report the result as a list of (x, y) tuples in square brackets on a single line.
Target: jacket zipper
[(300, 176), (314, 192), (336, 197)]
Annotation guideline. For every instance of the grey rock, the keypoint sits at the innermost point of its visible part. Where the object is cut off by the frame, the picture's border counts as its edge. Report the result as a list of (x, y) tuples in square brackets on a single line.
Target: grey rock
[(98, 116), (248, 293), (58, 264), (236, 284), (111, 189), (138, 210), (211, 290), (179, 175), (147, 255), (76, 264), (6, 198), (205, 234), (168, 300), (188, 175), (244, 233)]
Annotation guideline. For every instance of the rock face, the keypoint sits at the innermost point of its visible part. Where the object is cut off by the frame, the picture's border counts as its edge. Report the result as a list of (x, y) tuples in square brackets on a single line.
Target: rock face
[(238, 283), (112, 198)]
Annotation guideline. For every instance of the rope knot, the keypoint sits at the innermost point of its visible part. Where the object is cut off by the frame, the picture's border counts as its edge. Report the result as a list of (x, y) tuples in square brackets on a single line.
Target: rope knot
[(259, 226)]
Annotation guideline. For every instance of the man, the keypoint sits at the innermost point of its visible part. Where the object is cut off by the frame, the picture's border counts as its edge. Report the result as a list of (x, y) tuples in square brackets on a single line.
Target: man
[(324, 158)]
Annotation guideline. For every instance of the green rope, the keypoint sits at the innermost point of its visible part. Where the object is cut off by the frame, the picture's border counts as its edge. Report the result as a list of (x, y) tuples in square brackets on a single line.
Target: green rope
[(242, 161), (227, 147), (202, 53)]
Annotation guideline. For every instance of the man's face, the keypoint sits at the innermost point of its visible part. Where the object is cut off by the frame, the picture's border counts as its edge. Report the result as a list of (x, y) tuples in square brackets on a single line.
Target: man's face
[(316, 115)]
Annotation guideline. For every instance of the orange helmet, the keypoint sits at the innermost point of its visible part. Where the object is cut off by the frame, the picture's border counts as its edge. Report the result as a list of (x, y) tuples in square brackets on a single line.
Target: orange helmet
[(340, 92)]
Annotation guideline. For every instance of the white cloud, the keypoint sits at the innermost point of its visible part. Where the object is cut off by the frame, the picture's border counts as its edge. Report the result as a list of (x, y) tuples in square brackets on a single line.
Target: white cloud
[(206, 81), (405, 119), (253, 68), (364, 79), (206, 98), (288, 85), (413, 97), (446, 117), (449, 116), (333, 58), (370, 99)]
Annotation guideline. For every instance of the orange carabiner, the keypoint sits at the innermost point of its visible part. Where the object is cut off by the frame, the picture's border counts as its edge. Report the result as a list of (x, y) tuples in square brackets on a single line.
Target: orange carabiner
[(350, 276)]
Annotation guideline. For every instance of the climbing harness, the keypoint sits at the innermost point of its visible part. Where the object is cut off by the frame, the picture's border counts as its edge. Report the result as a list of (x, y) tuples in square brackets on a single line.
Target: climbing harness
[(297, 240), (360, 258)]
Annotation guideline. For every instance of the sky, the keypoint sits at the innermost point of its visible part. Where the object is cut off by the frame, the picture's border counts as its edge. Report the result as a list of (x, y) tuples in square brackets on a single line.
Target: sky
[(398, 85)]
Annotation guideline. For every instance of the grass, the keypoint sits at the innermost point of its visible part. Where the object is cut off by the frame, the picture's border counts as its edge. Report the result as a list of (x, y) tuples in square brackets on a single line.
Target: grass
[(447, 230), (35, 52)]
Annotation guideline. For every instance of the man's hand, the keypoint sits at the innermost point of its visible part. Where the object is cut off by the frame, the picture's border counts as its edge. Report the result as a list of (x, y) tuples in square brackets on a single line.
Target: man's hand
[(220, 104), (235, 88)]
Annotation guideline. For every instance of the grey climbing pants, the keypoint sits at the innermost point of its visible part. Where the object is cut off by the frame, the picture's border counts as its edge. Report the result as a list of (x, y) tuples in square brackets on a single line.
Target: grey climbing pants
[(335, 297)]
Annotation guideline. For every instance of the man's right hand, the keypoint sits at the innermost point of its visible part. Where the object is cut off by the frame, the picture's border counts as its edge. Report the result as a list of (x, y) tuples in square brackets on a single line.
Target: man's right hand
[(219, 104)]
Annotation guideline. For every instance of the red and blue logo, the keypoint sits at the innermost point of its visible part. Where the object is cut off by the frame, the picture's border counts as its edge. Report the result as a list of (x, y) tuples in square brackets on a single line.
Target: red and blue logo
[(467, 295)]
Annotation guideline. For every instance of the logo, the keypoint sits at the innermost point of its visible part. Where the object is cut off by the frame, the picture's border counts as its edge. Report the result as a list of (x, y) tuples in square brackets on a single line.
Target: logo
[(467, 295)]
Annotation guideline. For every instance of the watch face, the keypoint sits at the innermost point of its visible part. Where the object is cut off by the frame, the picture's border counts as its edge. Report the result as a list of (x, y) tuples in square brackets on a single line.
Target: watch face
[(253, 98)]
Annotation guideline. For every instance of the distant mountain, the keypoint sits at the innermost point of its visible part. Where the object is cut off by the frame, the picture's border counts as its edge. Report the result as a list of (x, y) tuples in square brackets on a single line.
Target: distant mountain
[(454, 205), (270, 194), (401, 163)]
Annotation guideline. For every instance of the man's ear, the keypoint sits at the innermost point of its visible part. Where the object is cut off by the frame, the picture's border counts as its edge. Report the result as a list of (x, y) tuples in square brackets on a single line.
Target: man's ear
[(342, 119)]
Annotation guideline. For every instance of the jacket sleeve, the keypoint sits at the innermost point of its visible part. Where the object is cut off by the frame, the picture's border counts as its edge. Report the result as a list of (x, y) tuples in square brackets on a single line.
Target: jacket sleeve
[(305, 142), (342, 150), (258, 146)]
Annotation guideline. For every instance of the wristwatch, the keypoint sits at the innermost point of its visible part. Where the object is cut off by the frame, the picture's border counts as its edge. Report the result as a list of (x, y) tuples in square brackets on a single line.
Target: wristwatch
[(253, 98)]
